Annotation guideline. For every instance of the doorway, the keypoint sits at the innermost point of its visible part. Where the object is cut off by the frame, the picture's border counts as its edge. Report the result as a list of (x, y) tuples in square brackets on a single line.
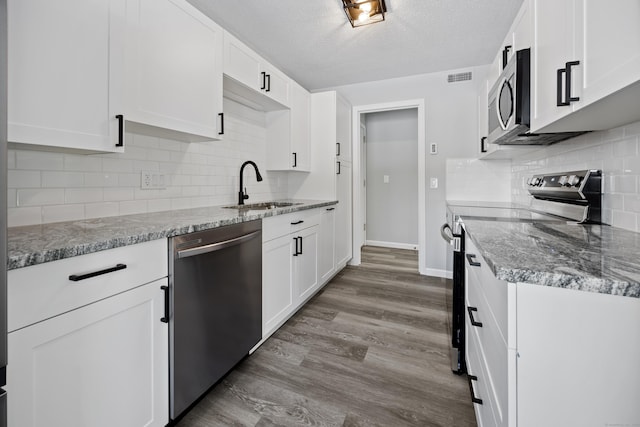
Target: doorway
[(359, 182), (389, 159)]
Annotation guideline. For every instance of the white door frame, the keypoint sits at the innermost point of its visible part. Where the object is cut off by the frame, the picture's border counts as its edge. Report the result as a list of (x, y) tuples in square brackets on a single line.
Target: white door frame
[(363, 180), (357, 172)]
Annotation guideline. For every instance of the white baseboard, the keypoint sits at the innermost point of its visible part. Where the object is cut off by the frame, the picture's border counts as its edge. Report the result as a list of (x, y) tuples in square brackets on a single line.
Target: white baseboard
[(437, 273), (392, 245)]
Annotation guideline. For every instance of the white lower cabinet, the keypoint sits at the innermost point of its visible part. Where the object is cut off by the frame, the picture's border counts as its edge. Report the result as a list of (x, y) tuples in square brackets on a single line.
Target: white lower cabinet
[(546, 356), (294, 246), (89, 351), (104, 364), (277, 282)]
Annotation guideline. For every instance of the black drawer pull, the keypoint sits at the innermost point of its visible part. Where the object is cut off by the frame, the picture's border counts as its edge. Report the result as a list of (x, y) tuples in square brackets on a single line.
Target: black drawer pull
[(295, 160), (78, 277), (264, 80), (483, 147), (165, 318), (297, 222), (470, 310), (330, 209), (474, 399), (473, 263)]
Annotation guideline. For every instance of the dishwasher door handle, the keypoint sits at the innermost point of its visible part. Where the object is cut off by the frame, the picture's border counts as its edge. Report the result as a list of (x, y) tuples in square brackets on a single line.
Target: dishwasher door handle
[(212, 247)]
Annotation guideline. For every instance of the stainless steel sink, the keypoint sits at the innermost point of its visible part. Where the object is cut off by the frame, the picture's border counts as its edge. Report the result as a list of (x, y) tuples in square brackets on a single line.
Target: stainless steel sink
[(262, 206)]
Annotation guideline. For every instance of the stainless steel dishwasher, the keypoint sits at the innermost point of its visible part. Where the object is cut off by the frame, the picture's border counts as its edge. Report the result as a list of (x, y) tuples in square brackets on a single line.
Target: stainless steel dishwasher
[(215, 306)]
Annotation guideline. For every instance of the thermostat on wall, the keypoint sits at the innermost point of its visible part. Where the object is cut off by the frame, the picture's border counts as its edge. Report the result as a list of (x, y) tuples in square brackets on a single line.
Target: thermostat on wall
[(433, 148)]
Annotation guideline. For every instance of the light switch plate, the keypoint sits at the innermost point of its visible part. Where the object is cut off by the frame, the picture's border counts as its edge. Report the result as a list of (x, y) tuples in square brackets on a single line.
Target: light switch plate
[(385, 179), (433, 148), (433, 182)]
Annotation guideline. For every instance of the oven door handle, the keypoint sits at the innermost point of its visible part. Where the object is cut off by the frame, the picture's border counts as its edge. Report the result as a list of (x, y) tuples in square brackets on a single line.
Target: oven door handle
[(447, 236), (216, 246)]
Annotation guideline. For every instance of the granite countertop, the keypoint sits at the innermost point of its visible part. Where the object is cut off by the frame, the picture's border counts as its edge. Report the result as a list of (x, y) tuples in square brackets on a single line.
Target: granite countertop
[(592, 258), (36, 244)]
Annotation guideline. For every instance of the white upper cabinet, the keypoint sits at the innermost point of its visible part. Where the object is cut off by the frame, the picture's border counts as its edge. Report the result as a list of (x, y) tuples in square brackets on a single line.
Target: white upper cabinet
[(174, 70), (288, 134), (65, 73), (586, 65), (247, 67), (343, 130)]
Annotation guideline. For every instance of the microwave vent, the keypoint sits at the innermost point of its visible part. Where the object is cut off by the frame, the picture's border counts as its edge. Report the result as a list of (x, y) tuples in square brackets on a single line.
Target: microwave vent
[(460, 77)]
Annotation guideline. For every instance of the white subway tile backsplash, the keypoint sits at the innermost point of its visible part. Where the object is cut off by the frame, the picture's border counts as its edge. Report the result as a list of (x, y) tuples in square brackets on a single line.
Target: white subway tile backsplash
[(59, 213), (40, 197), (23, 179), (75, 186), (103, 209), (83, 195), (36, 160), (24, 216), (59, 179)]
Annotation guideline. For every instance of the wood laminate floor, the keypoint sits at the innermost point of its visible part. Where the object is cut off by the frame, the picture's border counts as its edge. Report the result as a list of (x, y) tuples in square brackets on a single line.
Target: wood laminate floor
[(371, 349)]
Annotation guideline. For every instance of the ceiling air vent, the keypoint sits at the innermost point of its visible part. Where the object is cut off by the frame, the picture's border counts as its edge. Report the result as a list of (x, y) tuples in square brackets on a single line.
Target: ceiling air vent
[(460, 77)]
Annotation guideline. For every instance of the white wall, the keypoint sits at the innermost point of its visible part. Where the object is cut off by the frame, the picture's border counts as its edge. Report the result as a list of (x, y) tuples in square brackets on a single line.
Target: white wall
[(53, 186), (450, 121), (616, 152), (392, 151)]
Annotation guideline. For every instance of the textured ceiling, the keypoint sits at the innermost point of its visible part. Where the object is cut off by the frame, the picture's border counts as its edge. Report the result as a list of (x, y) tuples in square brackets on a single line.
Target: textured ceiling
[(313, 43)]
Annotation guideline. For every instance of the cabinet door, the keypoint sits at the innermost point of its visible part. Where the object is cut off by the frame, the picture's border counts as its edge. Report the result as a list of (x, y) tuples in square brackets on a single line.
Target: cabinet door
[(277, 282), (326, 244), (241, 63), (607, 40), (105, 364), (276, 85), (577, 358), (343, 129), (300, 101), (343, 214), (553, 47), (306, 263), (175, 79), (64, 61)]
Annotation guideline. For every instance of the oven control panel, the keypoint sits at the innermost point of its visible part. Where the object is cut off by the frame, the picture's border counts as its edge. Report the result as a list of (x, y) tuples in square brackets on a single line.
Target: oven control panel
[(566, 186)]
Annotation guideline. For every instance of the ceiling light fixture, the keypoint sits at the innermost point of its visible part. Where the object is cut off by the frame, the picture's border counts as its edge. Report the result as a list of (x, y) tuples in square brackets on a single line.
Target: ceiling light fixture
[(364, 12)]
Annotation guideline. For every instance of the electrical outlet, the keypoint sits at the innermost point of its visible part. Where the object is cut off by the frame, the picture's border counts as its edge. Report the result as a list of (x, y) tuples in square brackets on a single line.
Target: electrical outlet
[(152, 180), (434, 182)]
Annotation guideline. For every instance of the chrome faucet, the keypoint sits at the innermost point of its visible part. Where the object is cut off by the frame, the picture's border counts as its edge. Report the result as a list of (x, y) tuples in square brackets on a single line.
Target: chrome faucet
[(242, 195)]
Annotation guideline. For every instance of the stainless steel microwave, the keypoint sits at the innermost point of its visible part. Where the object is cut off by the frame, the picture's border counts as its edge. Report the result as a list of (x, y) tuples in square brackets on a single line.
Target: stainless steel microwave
[(509, 103)]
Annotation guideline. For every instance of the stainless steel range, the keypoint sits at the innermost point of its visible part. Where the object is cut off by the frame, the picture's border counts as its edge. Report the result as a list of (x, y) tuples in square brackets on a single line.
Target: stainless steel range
[(574, 196)]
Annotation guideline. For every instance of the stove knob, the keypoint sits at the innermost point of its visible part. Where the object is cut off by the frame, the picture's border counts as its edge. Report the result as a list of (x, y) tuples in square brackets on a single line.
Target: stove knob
[(528, 181), (534, 181), (574, 181), (563, 180)]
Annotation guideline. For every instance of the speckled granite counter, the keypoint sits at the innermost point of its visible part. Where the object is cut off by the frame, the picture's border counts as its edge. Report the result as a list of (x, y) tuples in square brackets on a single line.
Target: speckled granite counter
[(36, 244), (590, 258)]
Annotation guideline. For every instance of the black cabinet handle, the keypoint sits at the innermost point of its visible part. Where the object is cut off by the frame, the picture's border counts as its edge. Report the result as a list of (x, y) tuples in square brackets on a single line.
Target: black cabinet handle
[(165, 318), (505, 54), (300, 253), (264, 80), (559, 80), (297, 222), (567, 88), (295, 253), (330, 209), (483, 148), (78, 277), (120, 118), (338, 172), (474, 399), (473, 263), (337, 148), (221, 123), (470, 310), (295, 160), (268, 83)]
